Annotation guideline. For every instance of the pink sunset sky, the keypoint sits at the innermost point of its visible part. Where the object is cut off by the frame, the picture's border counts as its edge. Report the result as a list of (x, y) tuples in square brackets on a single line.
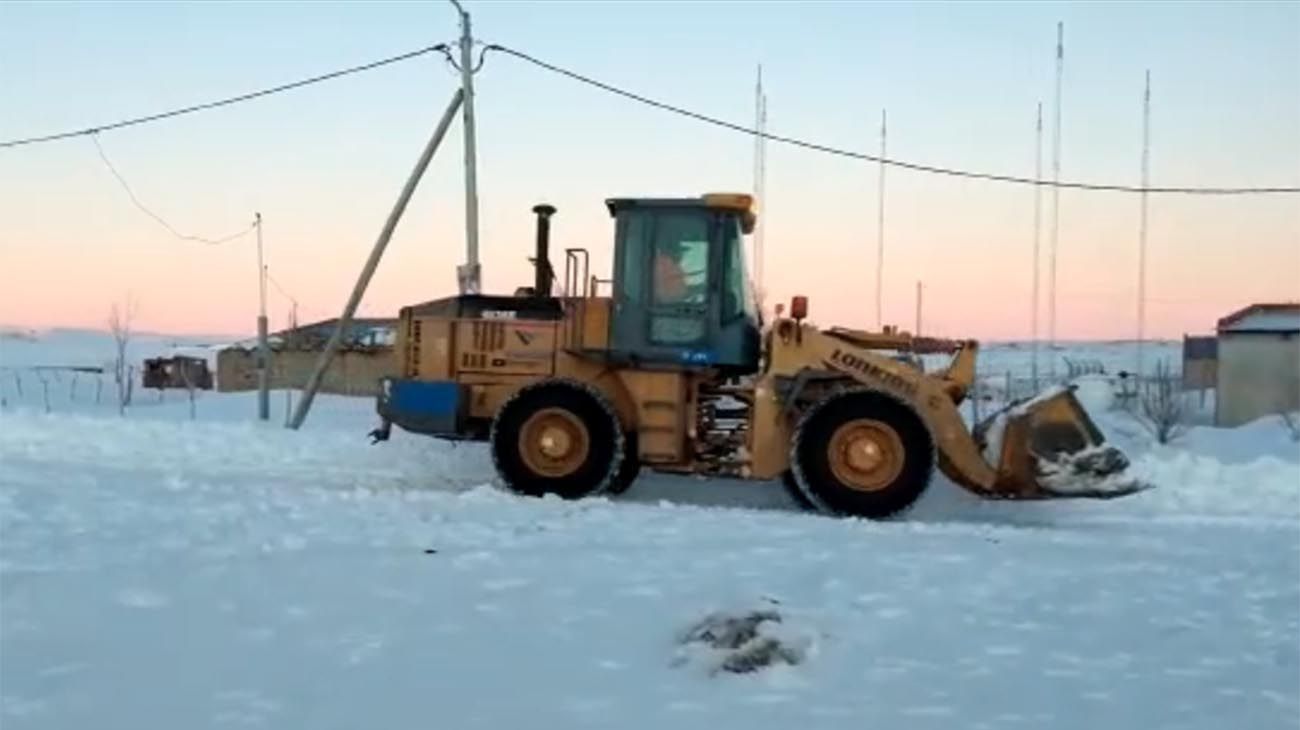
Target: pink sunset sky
[(324, 164)]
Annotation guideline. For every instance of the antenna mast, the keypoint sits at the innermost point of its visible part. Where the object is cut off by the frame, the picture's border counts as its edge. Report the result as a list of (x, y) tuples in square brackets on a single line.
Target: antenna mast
[(1056, 198), (759, 185), (880, 232), (1142, 225), (1038, 224)]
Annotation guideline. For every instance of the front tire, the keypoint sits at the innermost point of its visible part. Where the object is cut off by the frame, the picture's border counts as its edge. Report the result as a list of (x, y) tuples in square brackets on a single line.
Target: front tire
[(557, 437), (862, 453), (630, 469), (794, 492)]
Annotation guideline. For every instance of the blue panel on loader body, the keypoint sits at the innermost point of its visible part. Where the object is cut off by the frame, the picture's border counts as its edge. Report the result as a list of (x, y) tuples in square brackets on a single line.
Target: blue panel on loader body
[(423, 406)]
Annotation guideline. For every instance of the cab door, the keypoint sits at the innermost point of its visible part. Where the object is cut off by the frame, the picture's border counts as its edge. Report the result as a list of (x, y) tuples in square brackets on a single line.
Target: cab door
[(666, 269)]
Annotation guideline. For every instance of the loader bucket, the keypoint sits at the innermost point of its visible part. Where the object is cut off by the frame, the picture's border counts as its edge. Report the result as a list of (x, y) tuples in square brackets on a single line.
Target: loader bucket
[(1048, 448)]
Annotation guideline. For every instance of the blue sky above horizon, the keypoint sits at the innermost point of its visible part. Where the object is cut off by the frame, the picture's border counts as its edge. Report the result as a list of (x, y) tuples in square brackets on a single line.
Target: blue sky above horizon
[(960, 81)]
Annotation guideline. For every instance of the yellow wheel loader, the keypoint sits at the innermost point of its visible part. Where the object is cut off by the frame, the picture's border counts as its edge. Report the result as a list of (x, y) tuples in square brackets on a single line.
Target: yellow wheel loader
[(577, 384)]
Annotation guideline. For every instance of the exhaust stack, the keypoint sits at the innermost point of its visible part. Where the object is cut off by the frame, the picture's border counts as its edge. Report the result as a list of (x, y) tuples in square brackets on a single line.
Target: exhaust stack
[(542, 262)]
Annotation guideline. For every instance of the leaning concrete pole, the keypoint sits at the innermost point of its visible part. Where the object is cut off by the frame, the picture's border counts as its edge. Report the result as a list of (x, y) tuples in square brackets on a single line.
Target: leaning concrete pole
[(368, 271)]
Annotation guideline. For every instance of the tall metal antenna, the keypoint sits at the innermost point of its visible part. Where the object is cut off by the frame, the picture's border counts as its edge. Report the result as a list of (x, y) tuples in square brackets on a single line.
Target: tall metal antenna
[(760, 237), (1056, 199), (760, 184), (880, 232), (1038, 225), (758, 152), (1142, 225)]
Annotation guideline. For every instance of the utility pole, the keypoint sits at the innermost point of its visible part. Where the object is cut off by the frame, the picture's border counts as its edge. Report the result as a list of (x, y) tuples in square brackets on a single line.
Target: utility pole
[(1038, 225), (917, 331), (1142, 225), (469, 275), (1056, 200), (880, 233), (263, 348), (288, 391)]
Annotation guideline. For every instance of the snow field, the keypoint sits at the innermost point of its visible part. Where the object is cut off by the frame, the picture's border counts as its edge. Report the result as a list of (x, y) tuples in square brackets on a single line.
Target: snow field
[(157, 572)]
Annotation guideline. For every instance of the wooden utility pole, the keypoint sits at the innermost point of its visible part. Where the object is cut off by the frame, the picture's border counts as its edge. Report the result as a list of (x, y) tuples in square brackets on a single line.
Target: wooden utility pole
[(376, 253), (263, 347), (917, 331)]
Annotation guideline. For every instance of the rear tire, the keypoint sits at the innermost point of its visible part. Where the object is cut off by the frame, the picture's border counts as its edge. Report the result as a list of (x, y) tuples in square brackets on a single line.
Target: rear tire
[(862, 453), (557, 437)]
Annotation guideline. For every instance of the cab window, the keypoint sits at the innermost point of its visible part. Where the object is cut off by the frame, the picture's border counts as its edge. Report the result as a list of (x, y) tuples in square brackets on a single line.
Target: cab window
[(681, 258), (738, 297)]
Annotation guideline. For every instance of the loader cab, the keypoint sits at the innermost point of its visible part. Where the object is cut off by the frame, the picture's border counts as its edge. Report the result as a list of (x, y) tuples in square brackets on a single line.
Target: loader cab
[(681, 290)]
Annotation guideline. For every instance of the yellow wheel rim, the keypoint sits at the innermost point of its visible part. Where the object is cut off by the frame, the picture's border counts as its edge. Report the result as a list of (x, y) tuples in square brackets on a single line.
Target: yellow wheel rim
[(866, 455), (553, 442)]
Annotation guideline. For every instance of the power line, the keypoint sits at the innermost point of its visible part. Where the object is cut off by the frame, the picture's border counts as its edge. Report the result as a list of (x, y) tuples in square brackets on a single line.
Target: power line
[(224, 102), (131, 194), (443, 48), (918, 167), (283, 291), (279, 288)]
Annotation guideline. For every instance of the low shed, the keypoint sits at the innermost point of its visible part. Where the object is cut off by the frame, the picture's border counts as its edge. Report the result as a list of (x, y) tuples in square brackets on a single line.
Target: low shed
[(365, 356), (177, 371), (1258, 363)]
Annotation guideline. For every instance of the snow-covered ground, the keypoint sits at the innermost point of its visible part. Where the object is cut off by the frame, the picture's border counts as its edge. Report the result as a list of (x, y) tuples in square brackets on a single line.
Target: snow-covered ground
[(158, 572)]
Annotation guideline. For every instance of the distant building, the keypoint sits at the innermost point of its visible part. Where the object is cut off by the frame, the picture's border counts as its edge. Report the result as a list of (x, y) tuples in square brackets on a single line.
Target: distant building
[(177, 371), (1258, 363), (1200, 362), (365, 355)]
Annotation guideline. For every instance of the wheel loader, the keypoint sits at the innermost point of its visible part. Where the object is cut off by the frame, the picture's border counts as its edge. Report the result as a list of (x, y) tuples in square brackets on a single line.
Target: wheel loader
[(577, 384)]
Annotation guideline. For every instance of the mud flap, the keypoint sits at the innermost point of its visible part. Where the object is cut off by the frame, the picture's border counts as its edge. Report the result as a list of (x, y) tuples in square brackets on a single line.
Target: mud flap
[(1048, 448)]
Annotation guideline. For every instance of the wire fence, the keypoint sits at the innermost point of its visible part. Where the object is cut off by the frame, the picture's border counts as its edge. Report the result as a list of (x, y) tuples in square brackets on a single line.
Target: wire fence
[(996, 388), (68, 389), (77, 389)]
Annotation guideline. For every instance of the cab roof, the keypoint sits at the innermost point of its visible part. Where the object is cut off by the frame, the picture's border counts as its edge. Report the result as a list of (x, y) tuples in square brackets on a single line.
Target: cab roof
[(730, 201), (742, 203)]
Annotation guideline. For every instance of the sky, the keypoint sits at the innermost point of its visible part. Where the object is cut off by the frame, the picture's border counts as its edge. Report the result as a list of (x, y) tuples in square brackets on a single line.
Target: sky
[(960, 82)]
